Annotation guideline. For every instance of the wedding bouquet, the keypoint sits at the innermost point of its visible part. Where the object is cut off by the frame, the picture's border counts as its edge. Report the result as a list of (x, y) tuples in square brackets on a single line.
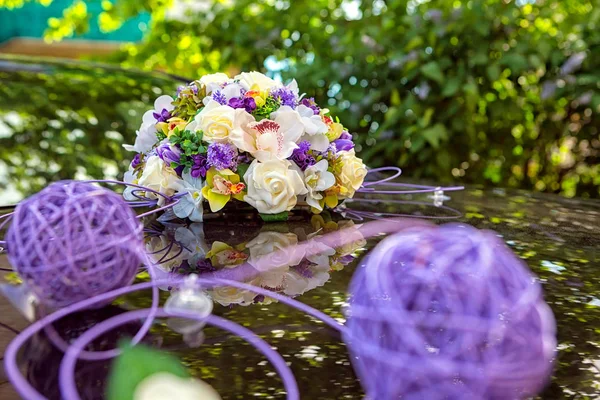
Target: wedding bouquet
[(248, 139)]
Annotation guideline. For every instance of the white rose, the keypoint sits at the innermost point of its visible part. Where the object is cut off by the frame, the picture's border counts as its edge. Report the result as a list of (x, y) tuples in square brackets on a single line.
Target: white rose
[(255, 81), (317, 179), (272, 186), (163, 385), (213, 81), (227, 295), (297, 284), (161, 178), (353, 172), (273, 250), (215, 120)]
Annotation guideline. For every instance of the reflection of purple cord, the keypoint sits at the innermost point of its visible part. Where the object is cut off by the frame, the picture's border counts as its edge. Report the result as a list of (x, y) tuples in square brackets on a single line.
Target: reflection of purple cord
[(67, 366), (28, 392), (360, 215)]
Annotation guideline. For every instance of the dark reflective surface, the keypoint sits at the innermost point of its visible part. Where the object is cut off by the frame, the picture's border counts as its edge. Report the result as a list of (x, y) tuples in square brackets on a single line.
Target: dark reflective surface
[(558, 238)]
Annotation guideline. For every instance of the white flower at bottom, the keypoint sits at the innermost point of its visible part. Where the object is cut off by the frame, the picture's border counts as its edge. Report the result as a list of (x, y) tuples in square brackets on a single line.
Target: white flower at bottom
[(273, 187), (190, 204), (163, 385), (317, 179)]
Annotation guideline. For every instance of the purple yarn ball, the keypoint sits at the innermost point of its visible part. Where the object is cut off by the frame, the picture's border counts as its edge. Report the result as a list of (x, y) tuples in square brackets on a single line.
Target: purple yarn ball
[(74, 240), (448, 313)]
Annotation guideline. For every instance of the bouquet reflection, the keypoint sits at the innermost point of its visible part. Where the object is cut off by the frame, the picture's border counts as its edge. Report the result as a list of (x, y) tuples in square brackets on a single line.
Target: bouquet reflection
[(232, 251)]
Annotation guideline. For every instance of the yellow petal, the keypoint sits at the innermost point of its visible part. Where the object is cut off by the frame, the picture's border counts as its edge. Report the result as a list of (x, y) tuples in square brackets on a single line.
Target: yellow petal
[(217, 247), (210, 174), (216, 200), (331, 201), (239, 196)]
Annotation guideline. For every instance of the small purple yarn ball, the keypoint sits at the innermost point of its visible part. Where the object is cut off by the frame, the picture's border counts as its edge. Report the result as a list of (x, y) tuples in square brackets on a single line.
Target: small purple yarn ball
[(74, 240), (448, 313)]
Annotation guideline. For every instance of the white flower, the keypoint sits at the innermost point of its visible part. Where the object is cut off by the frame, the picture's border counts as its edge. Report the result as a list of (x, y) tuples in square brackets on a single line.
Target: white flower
[(192, 240), (130, 177), (273, 250), (213, 82), (215, 120), (352, 174), (255, 81), (164, 385), (161, 178), (272, 186), (297, 284), (227, 295), (190, 205), (268, 139), (317, 179), (293, 87), (315, 129), (146, 135)]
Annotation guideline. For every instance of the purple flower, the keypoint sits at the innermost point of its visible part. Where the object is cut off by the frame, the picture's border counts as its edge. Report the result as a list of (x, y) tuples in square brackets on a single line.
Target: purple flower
[(222, 156), (162, 116), (246, 103), (310, 103), (236, 103), (200, 166), (137, 160), (219, 97), (285, 96), (345, 135), (301, 156), (169, 153), (304, 269), (244, 158), (343, 144), (205, 266)]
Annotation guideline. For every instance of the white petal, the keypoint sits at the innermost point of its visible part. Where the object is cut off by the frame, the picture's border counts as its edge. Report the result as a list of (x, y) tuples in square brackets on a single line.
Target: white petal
[(164, 102), (317, 142), (184, 207)]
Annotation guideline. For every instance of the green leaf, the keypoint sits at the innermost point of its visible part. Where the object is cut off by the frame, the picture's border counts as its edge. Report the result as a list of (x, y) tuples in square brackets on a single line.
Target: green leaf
[(241, 171), (451, 87), (493, 72), (283, 216), (136, 364), (426, 120), (434, 134), (432, 71)]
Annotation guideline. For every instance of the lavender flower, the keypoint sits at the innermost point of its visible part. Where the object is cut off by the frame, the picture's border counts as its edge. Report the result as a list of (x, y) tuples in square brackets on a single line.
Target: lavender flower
[(285, 96), (310, 103), (301, 156), (219, 97), (169, 153), (162, 116), (137, 160), (222, 156), (200, 166)]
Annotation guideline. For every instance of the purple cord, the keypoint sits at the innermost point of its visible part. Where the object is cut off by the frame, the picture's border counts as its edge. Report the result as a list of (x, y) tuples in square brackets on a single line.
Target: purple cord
[(67, 367)]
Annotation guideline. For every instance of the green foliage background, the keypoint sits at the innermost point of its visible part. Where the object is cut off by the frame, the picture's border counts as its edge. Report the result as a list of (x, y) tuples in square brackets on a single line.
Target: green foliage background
[(493, 92)]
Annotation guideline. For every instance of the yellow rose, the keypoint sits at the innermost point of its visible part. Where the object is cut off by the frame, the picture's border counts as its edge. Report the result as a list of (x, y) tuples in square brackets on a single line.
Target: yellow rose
[(160, 177), (352, 173)]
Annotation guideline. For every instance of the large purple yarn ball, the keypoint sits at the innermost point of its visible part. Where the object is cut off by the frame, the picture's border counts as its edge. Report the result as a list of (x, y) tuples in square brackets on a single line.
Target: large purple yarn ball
[(448, 313), (74, 240)]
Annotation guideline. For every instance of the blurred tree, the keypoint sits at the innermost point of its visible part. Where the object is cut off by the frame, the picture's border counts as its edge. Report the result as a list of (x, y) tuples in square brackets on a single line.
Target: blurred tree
[(503, 92)]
